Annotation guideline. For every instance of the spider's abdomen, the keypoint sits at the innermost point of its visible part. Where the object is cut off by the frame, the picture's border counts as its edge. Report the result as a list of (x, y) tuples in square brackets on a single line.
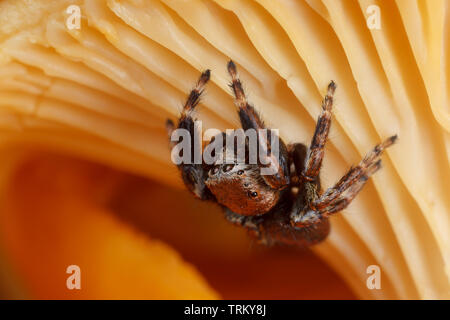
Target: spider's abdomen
[(274, 226), (273, 232)]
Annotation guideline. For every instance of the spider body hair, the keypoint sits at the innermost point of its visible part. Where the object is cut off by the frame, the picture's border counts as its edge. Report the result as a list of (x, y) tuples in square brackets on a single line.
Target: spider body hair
[(289, 205)]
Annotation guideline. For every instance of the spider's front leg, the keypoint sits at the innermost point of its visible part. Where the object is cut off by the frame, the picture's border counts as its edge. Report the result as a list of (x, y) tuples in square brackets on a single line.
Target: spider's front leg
[(309, 171), (251, 120), (315, 207), (334, 199), (193, 174)]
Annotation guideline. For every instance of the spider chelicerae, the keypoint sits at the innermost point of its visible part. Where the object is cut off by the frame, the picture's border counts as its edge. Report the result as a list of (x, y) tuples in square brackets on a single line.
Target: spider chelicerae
[(289, 205)]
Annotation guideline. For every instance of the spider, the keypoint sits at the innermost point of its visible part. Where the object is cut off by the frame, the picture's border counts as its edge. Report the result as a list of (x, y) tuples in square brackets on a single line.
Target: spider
[(289, 206)]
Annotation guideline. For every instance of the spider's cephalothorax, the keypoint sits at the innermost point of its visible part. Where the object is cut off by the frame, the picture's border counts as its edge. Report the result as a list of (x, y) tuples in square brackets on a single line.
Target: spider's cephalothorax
[(241, 188), (289, 205)]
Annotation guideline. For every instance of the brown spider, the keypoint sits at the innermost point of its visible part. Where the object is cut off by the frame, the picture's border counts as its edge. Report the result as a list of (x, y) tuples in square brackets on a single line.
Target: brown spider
[(286, 207)]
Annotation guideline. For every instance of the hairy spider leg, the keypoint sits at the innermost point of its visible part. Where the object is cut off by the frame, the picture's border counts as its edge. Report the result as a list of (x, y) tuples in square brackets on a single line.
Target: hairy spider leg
[(338, 197), (192, 174), (317, 148), (310, 172), (352, 181), (342, 202), (186, 121), (251, 120), (309, 216)]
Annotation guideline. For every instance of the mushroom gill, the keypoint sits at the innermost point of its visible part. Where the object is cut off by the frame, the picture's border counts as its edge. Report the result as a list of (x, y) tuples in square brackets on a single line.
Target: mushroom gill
[(101, 91)]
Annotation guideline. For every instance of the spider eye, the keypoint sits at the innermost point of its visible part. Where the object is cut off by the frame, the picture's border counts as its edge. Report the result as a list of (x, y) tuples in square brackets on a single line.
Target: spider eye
[(253, 194), (240, 172)]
